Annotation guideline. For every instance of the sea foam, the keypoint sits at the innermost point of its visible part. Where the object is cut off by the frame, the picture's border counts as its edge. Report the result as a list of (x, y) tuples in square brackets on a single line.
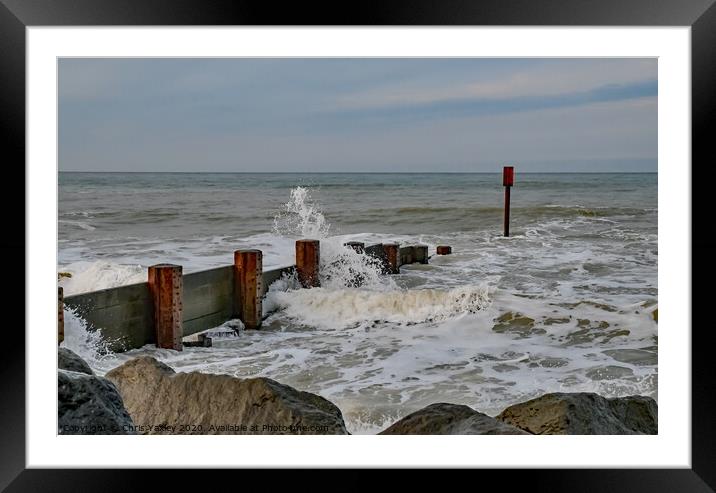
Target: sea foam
[(338, 308)]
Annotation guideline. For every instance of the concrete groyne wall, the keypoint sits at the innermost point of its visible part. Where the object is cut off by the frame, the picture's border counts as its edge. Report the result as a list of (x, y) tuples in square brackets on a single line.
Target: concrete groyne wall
[(125, 314), (172, 305)]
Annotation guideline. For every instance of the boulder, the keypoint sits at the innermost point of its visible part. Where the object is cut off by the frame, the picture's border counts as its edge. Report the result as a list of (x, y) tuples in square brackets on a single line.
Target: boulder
[(584, 413), (90, 405), (450, 419), (67, 360), (164, 402)]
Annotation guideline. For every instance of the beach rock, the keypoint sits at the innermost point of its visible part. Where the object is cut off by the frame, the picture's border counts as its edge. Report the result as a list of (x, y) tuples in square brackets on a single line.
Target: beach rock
[(164, 402), (584, 414), (450, 419), (67, 360), (90, 405)]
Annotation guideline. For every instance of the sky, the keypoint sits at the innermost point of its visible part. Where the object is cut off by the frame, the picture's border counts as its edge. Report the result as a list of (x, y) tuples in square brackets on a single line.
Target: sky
[(357, 114)]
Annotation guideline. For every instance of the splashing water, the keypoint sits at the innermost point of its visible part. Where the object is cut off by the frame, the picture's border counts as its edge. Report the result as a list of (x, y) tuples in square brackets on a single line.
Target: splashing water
[(90, 345), (353, 289), (301, 218), (340, 266)]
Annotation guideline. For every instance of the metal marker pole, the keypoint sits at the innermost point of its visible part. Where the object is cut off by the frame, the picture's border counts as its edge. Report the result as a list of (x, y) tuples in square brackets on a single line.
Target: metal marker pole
[(507, 211), (508, 179)]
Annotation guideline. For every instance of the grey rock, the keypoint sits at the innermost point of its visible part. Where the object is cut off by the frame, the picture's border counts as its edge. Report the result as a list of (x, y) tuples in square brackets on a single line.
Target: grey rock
[(584, 413), (90, 405), (450, 419), (67, 360), (162, 401)]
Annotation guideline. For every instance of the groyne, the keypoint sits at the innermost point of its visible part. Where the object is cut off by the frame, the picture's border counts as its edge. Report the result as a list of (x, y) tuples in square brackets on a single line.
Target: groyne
[(172, 305)]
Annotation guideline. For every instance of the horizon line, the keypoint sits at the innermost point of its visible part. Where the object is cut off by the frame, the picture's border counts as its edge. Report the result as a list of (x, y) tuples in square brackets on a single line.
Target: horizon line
[(357, 172)]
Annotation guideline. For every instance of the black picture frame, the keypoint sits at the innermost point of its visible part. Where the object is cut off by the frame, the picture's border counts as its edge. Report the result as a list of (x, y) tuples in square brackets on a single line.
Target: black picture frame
[(16, 15)]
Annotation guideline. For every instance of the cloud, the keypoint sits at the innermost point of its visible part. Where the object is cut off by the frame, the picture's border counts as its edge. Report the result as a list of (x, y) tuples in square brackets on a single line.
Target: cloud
[(355, 114), (449, 108), (550, 77)]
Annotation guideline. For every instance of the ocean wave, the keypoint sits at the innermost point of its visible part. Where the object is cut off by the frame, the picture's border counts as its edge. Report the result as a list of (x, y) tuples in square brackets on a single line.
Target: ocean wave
[(92, 276), (339, 308), (80, 224)]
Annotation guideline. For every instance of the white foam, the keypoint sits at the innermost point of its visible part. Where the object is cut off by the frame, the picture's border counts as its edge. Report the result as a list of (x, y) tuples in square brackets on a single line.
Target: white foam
[(338, 308), (100, 274), (88, 344)]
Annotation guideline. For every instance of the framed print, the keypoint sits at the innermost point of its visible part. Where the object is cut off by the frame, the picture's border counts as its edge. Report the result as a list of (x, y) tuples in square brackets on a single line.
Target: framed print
[(442, 220)]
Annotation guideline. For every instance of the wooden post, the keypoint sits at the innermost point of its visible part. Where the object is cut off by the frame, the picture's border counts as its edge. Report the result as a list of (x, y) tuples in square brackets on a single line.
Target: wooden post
[(166, 288), (248, 267), (60, 315), (358, 246), (444, 250), (308, 257), (392, 256), (508, 179), (420, 254)]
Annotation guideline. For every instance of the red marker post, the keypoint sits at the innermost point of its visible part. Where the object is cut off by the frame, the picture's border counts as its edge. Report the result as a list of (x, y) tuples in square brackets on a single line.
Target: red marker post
[(508, 179)]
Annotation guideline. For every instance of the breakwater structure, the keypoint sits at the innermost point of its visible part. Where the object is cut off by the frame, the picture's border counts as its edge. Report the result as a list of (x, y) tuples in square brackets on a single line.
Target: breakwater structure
[(172, 305)]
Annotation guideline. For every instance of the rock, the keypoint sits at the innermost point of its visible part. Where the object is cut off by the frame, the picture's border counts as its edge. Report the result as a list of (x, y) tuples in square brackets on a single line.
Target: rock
[(164, 402), (584, 414), (90, 405), (67, 360), (450, 419), (516, 323)]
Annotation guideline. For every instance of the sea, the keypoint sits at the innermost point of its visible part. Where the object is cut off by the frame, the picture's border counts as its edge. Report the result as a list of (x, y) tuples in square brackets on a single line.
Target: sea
[(567, 303)]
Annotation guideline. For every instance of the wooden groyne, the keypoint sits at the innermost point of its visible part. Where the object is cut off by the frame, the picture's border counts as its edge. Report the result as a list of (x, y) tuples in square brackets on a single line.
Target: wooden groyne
[(172, 305)]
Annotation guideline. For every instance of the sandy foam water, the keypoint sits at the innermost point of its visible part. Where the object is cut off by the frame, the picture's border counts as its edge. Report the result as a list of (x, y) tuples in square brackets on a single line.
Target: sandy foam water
[(379, 371)]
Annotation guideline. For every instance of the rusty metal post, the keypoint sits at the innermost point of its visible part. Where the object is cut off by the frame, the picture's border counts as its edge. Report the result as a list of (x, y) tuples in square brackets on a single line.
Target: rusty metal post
[(308, 257), (392, 257), (166, 289), (444, 250), (358, 246), (508, 179), (60, 315), (248, 268)]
